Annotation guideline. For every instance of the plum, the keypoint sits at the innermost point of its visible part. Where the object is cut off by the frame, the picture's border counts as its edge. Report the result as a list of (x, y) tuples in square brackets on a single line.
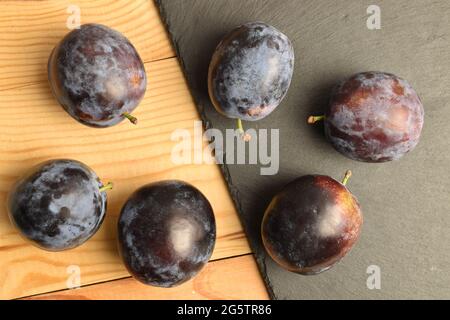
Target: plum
[(58, 205), (167, 233), (311, 224), (250, 71), (373, 117), (97, 76)]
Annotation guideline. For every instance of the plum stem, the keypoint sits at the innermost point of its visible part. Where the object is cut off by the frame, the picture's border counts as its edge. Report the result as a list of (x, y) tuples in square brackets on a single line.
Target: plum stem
[(314, 119), (132, 119), (245, 136), (106, 187), (347, 176), (240, 126)]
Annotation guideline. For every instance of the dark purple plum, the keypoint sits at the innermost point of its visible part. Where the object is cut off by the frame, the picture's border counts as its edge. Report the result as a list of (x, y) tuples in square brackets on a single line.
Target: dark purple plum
[(167, 233), (97, 76), (58, 205), (311, 224), (250, 71), (374, 117)]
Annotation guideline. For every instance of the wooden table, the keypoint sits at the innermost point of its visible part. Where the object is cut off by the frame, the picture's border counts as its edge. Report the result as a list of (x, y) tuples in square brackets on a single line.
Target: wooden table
[(35, 128)]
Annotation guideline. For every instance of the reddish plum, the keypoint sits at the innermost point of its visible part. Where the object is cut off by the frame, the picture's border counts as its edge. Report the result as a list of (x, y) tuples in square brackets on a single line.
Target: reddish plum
[(311, 224), (373, 117)]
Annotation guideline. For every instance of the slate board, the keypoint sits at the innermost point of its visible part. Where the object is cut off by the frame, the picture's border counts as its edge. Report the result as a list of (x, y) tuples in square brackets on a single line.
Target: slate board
[(406, 204)]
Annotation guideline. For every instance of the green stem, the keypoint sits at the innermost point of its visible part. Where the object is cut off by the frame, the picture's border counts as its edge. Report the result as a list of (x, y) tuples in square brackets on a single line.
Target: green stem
[(240, 127), (132, 119), (347, 176), (314, 119), (106, 187)]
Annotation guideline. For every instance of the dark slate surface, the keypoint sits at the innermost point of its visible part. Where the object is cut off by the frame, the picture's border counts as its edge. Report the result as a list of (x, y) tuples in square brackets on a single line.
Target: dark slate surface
[(406, 204)]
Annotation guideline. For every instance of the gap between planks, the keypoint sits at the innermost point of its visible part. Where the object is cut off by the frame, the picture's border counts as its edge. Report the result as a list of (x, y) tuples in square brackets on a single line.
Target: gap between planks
[(231, 278)]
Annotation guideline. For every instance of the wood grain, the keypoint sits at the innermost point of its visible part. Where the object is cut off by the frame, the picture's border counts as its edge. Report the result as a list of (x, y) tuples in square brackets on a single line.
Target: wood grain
[(37, 129), (234, 278), (30, 29)]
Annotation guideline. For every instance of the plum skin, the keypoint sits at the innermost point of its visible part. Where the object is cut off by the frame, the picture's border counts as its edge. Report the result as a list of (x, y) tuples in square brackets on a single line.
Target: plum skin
[(311, 224), (250, 71), (57, 205), (374, 117), (167, 233), (96, 75)]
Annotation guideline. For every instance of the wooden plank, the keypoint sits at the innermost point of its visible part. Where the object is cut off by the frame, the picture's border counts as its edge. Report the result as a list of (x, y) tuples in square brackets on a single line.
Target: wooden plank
[(35, 128), (30, 29), (233, 278)]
